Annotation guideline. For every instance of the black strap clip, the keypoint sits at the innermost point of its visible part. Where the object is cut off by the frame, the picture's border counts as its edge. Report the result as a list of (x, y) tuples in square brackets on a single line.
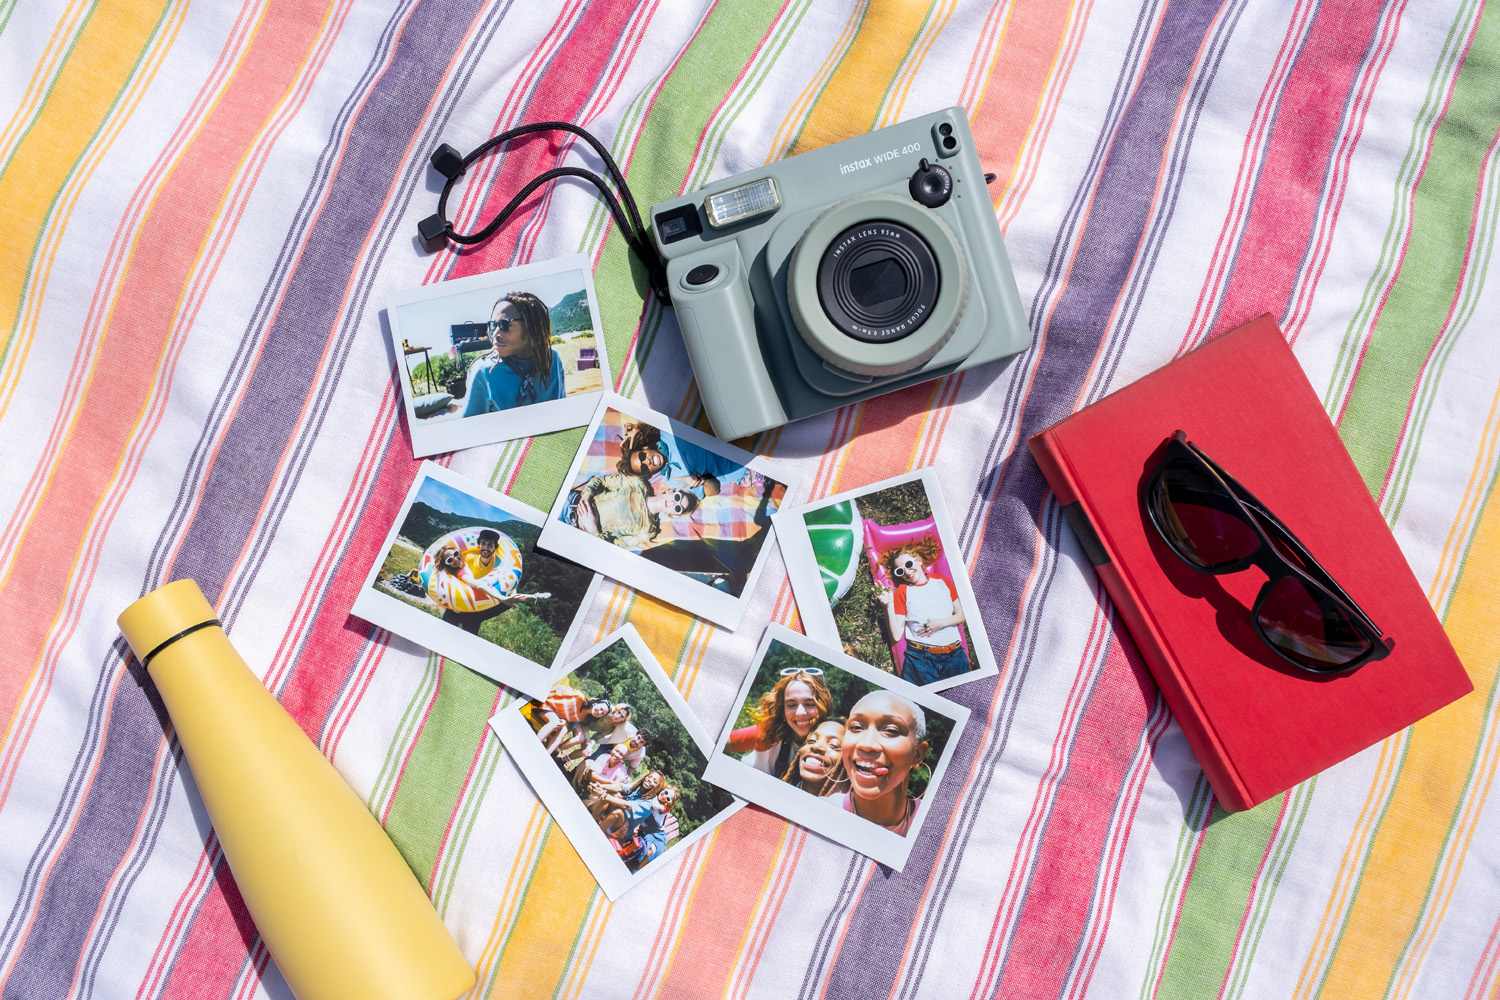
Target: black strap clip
[(436, 231)]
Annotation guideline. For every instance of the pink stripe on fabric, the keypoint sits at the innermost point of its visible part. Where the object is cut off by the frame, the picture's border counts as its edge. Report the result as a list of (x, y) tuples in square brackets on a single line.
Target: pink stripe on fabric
[(214, 953), (1338, 183), (743, 854), (1056, 908), (604, 93), (570, 77), (1093, 947), (479, 182), (1011, 896), (157, 299), (1252, 159), (1290, 184)]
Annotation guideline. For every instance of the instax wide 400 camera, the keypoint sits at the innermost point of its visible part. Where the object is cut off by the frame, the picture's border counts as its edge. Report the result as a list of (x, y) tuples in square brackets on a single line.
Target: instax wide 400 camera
[(840, 274)]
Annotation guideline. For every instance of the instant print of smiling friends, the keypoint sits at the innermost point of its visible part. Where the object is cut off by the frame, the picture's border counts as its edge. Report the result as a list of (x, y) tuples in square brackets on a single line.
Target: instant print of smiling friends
[(840, 274)]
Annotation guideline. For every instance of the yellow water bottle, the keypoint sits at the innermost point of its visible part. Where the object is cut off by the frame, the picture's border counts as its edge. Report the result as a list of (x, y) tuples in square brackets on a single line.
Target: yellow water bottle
[(338, 908)]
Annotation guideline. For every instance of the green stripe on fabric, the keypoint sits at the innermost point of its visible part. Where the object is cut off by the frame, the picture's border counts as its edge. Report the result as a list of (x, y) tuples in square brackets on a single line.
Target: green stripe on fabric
[(463, 823), (1187, 839), (669, 137), (1218, 893), (1406, 175), (406, 728), (1418, 303), (1281, 854), (6, 10), (1483, 244), (435, 773)]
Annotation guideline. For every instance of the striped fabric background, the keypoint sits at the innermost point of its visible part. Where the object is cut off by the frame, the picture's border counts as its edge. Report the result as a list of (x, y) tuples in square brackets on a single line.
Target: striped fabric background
[(202, 208)]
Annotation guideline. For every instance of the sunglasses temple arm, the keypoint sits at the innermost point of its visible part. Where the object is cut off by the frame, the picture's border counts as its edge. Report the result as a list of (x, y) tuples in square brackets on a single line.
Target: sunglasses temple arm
[(1309, 561)]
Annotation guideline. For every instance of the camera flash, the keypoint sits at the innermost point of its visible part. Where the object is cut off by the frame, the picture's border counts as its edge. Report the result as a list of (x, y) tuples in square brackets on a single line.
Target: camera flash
[(744, 202)]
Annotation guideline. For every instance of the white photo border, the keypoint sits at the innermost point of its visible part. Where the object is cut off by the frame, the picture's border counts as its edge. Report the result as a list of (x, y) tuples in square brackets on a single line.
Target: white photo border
[(812, 600), (505, 425), (636, 571), (480, 655), (542, 773), (823, 815)]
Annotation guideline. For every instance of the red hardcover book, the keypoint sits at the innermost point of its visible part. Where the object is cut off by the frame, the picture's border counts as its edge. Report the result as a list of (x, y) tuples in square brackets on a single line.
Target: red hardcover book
[(1257, 724)]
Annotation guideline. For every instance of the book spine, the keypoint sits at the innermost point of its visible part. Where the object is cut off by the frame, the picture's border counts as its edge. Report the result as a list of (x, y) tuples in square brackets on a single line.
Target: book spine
[(1231, 792)]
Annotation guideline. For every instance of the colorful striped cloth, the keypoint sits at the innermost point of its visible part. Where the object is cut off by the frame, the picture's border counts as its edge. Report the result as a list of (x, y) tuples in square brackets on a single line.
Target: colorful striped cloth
[(202, 207)]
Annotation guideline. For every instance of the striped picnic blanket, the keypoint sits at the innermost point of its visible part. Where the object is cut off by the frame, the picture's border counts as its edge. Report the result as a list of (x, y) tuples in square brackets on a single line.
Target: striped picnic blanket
[(201, 208)]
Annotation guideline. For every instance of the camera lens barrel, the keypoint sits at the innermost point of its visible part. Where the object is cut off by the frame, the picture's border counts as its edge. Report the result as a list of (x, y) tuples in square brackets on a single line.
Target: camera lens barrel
[(877, 284), (878, 281)]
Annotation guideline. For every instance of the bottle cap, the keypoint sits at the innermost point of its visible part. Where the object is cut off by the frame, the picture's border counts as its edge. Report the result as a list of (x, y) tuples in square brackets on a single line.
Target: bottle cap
[(165, 612)]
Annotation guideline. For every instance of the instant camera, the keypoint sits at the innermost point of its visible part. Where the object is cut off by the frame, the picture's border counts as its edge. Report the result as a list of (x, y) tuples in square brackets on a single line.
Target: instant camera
[(840, 274)]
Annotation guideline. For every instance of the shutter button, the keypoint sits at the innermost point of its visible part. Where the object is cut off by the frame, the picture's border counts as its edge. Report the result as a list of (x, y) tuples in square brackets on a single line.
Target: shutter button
[(702, 274)]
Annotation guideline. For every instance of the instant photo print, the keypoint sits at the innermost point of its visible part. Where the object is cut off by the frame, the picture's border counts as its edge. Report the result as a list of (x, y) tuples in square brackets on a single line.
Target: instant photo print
[(877, 572), (668, 510), (496, 356), (460, 574), (835, 745), (617, 757)]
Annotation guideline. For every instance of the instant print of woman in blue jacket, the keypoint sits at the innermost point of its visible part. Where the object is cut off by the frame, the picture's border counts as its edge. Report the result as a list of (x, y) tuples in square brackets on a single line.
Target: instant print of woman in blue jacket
[(522, 368)]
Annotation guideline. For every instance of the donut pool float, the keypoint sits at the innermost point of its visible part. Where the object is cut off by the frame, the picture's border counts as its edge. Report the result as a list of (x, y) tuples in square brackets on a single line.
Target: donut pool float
[(836, 534), (448, 591)]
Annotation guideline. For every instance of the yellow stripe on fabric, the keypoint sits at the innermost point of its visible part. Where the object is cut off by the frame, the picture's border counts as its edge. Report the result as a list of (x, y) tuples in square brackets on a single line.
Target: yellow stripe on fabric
[(510, 896), (552, 911), (664, 628), (937, 20), (787, 130), (849, 104), (101, 62), (1434, 775), (42, 78)]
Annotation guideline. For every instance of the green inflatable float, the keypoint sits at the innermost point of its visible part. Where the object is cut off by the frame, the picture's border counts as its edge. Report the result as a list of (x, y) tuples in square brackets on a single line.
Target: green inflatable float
[(837, 536)]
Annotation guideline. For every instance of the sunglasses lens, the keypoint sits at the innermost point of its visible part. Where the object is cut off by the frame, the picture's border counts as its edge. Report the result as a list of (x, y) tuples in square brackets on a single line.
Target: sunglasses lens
[(1200, 521), (1309, 627)]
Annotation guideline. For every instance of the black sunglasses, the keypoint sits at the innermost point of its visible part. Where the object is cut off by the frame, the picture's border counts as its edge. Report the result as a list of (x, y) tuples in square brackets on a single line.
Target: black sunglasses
[(1215, 526), (503, 324)]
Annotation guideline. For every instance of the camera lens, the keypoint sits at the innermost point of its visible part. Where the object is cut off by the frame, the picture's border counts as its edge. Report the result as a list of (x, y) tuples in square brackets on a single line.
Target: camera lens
[(878, 281)]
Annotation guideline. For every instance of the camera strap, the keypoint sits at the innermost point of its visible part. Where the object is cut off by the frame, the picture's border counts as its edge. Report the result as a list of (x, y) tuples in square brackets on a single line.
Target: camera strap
[(435, 230)]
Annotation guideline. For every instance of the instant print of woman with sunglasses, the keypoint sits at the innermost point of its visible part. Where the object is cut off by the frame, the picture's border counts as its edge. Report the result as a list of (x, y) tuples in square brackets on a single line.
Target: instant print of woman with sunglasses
[(924, 608), (787, 713), (521, 368)]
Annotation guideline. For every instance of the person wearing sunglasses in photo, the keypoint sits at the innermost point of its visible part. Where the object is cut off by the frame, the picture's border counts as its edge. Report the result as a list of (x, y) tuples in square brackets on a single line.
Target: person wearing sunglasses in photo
[(784, 717), (644, 452), (521, 367), (623, 510), (925, 607), (885, 740)]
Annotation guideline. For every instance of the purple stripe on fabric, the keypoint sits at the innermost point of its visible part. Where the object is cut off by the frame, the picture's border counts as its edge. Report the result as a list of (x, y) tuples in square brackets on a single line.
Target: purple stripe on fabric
[(278, 388), (1120, 209), (113, 808), (86, 866)]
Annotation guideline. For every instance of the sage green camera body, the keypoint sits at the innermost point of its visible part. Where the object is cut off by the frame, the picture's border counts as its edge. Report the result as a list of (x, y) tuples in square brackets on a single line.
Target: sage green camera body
[(880, 266)]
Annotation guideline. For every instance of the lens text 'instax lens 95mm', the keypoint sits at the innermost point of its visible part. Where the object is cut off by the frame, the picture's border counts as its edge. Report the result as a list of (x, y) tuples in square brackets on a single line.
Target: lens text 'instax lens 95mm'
[(878, 281)]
